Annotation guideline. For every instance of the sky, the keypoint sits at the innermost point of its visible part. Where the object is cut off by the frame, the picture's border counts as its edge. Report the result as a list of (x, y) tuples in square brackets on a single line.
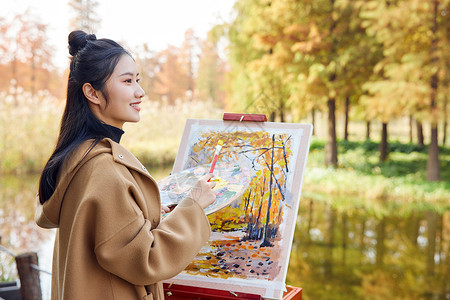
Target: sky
[(133, 22)]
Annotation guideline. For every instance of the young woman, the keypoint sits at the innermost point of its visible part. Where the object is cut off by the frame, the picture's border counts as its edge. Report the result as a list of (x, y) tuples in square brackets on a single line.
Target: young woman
[(110, 240)]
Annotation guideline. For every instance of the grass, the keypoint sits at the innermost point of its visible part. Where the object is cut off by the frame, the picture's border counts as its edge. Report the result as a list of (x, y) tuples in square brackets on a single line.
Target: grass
[(398, 185)]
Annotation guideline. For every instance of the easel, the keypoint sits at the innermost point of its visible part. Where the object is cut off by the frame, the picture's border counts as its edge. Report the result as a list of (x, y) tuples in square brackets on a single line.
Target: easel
[(183, 292)]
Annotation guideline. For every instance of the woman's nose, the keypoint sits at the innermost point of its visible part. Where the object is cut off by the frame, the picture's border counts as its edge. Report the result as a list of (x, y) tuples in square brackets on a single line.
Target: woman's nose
[(140, 92)]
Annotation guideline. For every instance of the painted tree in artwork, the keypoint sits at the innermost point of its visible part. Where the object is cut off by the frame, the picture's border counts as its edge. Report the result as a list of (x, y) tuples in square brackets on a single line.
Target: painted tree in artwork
[(268, 155)]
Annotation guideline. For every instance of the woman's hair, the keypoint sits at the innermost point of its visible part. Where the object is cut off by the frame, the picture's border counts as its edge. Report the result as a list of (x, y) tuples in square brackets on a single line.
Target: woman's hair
[(93, 61)]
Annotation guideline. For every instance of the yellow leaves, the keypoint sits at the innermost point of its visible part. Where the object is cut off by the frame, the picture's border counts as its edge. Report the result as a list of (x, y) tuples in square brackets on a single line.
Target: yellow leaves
[(296, 31), (311, 42)]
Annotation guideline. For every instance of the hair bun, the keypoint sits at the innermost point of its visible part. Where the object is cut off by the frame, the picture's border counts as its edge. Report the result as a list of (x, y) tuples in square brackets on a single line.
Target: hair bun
[(78, 39)]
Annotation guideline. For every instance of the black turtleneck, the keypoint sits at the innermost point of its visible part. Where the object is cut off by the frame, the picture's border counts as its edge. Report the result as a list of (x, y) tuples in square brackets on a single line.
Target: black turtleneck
[(114, 133)]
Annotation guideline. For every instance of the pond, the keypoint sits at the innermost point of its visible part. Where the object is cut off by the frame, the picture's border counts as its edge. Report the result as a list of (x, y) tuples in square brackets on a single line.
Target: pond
[(336, 253)]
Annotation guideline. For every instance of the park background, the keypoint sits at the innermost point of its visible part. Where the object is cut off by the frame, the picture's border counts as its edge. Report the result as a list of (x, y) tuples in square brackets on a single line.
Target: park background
[(372, 76)]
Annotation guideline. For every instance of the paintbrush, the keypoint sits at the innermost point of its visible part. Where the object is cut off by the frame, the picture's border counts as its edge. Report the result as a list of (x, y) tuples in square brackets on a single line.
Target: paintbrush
[(216, 156)]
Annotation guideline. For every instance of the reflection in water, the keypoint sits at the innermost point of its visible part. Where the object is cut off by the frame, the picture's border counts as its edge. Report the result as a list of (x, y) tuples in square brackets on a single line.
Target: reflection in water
[(337, 253), (18, 232), (352, 254)]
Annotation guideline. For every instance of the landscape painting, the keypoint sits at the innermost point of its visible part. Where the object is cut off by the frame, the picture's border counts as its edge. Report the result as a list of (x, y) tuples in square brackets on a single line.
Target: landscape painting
[(251, 238)]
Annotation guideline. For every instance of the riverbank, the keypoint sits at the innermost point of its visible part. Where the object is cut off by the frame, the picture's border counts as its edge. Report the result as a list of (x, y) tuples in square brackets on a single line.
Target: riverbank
[(397, 186)]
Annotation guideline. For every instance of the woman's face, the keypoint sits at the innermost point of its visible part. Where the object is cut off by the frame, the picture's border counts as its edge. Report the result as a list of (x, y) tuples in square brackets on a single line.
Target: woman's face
[(124, 94)]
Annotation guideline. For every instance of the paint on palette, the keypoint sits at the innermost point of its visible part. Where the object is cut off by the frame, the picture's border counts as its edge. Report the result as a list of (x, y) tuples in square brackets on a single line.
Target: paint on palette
[(232, 180)]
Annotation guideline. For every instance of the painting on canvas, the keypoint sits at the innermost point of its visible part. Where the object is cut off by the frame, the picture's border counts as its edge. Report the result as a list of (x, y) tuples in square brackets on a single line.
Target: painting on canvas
[(251, 238)]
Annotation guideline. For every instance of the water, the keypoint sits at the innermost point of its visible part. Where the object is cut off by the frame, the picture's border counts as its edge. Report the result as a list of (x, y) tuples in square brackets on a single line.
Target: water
[(353, 254), (336, 253)]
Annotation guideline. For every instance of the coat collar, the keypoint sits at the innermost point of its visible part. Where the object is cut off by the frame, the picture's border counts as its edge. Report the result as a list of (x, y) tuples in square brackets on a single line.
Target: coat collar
[(122, 156), (47, 215)]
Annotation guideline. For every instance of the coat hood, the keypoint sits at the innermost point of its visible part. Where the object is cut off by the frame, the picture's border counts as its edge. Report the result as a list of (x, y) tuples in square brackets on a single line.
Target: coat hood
[(47, 214)]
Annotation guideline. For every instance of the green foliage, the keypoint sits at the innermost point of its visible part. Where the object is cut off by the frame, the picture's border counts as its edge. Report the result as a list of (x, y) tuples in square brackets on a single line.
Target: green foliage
[(317, 144), (370, 146)]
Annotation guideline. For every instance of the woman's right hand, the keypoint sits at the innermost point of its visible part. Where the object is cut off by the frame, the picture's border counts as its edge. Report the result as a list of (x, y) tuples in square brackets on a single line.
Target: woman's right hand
[(202, 192)]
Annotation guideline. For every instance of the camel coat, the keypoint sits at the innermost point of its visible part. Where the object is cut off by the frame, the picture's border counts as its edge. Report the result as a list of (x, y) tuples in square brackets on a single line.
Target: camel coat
[(110, 241)]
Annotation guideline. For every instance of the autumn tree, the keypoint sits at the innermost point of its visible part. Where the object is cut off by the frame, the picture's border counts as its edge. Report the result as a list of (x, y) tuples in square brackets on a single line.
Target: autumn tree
[(25, 54), (414, 63), (211, 72), (171, 80), (333, 57), (249, 56), (302, 56), (172, 74)]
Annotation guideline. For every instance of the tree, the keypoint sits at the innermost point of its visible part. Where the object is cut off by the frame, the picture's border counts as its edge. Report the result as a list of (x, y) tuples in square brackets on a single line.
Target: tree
[(410, 72), (211, 73), (433, 168), (289, 51), (85, 16), (188, 61), (25, 55), (171, 80), (148, 64)]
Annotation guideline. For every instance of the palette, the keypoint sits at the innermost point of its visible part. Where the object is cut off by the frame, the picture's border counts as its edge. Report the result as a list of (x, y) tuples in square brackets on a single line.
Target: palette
[(232, 180)]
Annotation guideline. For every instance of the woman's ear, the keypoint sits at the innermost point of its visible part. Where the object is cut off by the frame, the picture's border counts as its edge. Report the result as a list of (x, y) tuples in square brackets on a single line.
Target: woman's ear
[(91, 94)]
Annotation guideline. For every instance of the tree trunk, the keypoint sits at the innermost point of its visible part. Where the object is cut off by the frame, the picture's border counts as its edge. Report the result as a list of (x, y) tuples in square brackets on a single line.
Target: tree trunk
[(411, 129), (384, 143), (266, 240), (347, 110), (419, 133), (444, 137), (281, 110), (331, 146), (272, 116), (313, 121), (367, 130), (444, 129), (433, 168)]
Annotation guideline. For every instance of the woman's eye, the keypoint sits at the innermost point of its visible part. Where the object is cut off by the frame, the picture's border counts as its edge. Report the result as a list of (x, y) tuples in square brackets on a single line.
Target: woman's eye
[(128, 81)]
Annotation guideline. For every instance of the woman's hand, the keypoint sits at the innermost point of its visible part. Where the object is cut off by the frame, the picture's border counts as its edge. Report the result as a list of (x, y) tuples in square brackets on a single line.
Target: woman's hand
[(164, 209), (202, 192)]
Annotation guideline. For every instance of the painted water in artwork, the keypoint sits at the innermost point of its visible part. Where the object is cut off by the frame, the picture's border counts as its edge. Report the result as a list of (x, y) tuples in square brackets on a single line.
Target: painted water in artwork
[(252, 236)]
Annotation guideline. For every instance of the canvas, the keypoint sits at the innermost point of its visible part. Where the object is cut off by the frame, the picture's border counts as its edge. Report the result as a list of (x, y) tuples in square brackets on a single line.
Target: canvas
[(251, 240)]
